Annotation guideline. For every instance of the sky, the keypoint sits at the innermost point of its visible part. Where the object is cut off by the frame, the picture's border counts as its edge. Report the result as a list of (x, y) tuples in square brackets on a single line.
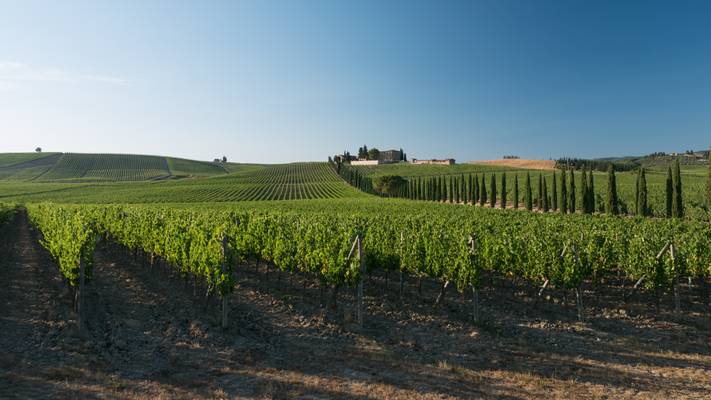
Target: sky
[(297, 80)]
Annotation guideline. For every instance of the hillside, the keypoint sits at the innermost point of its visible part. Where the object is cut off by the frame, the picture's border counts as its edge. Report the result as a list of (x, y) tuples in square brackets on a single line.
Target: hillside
[(76, 167), (249, 183)]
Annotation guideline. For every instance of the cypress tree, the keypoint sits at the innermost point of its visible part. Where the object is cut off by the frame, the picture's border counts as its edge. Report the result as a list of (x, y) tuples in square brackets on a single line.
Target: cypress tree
[(462, 191), (642, 199), (546, 206), (637, 209), (476, 189), (465, 190), (527, 192), (554, 194), (612, 206), (503, 191), (515, 193), (471, 188), (677, 200), (493, 190), (482, 189), (591, 191), (539, 200), (563, 193), (584, 192), (572, 203), (669, 192)]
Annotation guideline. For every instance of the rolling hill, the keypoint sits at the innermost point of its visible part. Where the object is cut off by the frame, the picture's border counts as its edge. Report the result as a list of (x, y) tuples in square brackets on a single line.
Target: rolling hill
[(77, 167)]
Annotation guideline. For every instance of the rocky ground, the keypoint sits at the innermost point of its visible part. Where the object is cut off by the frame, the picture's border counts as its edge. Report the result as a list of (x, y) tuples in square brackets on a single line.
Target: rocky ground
[(151, 334)]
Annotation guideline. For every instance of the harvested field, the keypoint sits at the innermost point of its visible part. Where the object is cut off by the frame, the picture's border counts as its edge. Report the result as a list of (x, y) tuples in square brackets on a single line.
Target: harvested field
[(519, 163)]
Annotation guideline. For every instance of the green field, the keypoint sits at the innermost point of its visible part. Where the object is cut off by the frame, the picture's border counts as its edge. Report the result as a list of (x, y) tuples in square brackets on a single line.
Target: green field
[(250, 182), (75, 167)]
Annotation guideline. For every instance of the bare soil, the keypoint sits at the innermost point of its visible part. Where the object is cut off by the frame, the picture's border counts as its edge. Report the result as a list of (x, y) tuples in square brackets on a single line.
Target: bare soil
[(152, 334), (519, 163)]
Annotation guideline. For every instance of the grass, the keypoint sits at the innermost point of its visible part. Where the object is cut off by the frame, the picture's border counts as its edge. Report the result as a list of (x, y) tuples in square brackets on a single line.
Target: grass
[(411, 170)]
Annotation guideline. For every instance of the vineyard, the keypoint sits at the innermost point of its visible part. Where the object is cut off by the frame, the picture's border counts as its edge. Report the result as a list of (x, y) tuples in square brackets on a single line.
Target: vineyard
[(249, 183), (449, 245), (76, 167)]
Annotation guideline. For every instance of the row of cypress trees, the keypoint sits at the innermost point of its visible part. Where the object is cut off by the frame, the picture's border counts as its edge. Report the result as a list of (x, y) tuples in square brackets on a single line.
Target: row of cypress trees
[(476, 190)]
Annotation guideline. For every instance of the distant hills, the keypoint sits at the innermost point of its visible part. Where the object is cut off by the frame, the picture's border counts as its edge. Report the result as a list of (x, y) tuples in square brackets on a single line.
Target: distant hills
[(78, 167)]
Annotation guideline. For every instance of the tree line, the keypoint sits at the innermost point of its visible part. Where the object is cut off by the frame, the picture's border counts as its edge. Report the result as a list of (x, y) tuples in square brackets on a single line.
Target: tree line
[(558, 193)]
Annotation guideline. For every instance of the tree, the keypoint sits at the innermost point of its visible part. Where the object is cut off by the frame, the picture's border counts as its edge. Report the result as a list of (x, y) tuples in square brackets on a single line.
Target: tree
[(669, 192), (677, 200), (493, 190), (38, 150), (554, 194), (482, 189), (476, 190), (539, 200), (563, 193), (546, 206), (503, 191), (642, 208), (402, 155), (224, 159), (528, 194), (572, 203), (470, 186), (373, 154), (515, 192), (584, 195), (389, 185), (612, 201), (591, 190)]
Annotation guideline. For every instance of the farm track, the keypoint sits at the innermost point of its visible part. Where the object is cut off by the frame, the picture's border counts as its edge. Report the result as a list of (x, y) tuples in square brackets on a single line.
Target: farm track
[(149, 337)]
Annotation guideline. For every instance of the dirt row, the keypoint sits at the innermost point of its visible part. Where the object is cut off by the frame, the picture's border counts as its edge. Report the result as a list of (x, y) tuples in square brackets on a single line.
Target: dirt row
[(151, 334)]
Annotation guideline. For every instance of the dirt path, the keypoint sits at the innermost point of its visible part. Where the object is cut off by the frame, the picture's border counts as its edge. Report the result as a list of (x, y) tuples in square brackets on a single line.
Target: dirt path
[(37, 340), (149, 336)]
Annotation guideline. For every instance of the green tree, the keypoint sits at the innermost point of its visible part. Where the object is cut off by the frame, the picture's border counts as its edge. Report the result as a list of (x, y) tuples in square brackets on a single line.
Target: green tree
[(539, 200), (515, 192), (373, 154), (546, 206), (572, 204), (493, 191), (554, 194), (669, 192), (563, 193), (482, 189), (527, 192), (476, 189), (389, 185), (584, 193), (503, 191), (612, 201), (642, 208), (591, 191), (677, 200)]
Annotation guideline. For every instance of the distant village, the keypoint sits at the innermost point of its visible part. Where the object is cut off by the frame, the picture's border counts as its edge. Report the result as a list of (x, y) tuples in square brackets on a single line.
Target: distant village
[(374, 156)]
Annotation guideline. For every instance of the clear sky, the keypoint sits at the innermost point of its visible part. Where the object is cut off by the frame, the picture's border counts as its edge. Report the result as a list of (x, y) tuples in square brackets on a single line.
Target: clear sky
[(278, 81)]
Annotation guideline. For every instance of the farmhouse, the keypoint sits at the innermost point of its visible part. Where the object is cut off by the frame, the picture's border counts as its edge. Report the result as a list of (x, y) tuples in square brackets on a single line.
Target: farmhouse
[(447, 161)]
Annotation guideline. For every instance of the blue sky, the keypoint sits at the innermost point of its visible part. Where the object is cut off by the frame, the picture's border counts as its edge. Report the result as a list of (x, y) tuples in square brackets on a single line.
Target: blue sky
[(278, 81)]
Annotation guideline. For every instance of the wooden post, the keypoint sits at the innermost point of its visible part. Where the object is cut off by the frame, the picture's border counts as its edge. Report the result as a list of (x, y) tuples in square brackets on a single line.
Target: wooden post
[(475, 291), (578, 294), (361, 258), (402, 272), (224, 295), (80, 297), (677, 300)]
